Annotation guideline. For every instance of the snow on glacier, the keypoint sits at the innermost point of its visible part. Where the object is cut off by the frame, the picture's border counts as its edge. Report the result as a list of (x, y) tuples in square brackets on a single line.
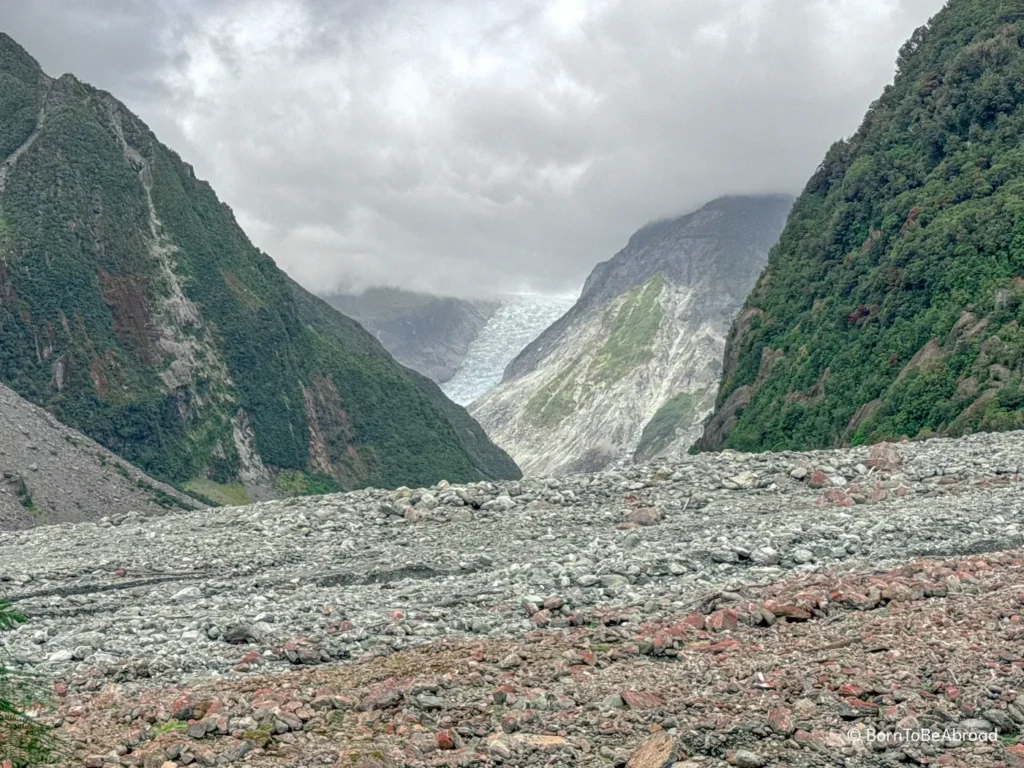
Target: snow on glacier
[(520, 319)]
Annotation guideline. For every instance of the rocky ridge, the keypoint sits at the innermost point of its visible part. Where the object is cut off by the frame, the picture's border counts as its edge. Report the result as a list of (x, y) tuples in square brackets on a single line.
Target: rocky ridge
[(52, 474), (630, 371), (430, 334), (136, 310), (752, 608)]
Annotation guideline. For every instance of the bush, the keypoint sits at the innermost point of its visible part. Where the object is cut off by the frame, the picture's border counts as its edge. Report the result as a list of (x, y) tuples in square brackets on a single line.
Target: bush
[(23, 740)]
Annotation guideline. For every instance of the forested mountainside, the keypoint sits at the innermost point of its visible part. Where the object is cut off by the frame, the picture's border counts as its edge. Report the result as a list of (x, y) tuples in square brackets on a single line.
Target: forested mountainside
[(631, 370), (52, 474), (430, 334), (892, 304), (134, 308)]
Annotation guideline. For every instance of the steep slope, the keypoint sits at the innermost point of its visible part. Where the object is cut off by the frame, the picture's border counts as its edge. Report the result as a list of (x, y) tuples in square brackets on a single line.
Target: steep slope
[(892, 304), (430, 334), (632, 368), (135, 309), (486, 460), (52, 474)]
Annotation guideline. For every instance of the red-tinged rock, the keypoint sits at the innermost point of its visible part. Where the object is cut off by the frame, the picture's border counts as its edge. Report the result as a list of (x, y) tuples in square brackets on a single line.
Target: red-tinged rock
[(695, 620), (659, 751), (639, 700), (60, 689), (818, 480), (781, 721), (790, 612), (503, 694), (725, 646), (382, 697), (645, 516), (723, 620), (836, 497), (855, 707), (884, 457), (1015, 755), (952, 693), (120, 573), (553, 603), (849, 690), (447, 739), (396, 615), (541, 618)]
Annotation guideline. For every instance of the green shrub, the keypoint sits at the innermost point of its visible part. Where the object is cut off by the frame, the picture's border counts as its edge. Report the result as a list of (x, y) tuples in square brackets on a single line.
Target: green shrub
[(23, 740)]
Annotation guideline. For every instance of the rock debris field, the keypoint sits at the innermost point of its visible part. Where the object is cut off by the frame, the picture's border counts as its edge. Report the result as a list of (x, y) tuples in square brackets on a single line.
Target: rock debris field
[(860, 607)]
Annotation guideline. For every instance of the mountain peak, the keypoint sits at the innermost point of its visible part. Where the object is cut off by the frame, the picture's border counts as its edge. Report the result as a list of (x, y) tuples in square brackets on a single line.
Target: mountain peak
[(16, 61)]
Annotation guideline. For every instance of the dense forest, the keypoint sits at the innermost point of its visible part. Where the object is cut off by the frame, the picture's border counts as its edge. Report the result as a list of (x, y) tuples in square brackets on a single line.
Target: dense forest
[(892, 304)]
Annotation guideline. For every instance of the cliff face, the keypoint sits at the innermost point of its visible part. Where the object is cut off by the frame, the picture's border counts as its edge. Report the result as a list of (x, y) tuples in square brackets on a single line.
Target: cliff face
[(134, 307), (631, 370), (893, 302), (430, 334)]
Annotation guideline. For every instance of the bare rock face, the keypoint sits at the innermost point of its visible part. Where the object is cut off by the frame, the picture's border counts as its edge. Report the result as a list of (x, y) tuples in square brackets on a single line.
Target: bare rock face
[(52, 474), (659, 751), (632, 370)]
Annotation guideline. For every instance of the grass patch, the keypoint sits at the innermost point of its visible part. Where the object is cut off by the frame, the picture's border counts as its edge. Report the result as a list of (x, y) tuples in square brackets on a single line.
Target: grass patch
[(164, 499), (556, 400), (679, 413), (170, 726), (25, 496), (634, 325), (291, 482), (221, 494)]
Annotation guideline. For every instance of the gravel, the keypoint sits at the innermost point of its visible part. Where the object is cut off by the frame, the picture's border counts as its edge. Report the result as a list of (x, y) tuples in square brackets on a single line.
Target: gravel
[(153, 602)]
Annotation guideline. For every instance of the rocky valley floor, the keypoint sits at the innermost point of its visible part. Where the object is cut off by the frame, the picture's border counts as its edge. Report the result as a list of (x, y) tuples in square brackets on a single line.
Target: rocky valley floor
[(804, 609)]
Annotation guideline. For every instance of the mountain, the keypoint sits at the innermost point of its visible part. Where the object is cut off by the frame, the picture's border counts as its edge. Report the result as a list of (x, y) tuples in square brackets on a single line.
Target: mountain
[(893, 302), (520, 319), (631, 369), (136, 310), (52, 474), (430, 334)]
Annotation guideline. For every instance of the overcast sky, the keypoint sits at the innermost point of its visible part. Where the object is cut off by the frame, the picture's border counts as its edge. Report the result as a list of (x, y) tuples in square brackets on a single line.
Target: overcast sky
[(477, 146)]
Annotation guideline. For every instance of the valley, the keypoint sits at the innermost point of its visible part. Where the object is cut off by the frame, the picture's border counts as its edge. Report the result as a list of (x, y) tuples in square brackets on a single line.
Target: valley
[(753, 499), (631, 370), (770, 603)]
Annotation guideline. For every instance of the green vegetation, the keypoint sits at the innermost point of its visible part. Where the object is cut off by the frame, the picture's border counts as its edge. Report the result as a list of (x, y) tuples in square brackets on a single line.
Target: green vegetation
[(632, 324), (25, 496), (907, 241), (23, 741), (84, 297), (293, 483), (633, 327), (171, 726), (220, 494), (679, 413), (556, 400)]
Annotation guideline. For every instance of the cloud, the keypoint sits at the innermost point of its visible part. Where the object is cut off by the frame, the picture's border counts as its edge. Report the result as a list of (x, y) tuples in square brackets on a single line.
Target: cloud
[(468, 146)]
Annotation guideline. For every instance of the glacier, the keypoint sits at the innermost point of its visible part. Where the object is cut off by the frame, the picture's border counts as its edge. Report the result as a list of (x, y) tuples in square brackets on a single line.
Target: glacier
[(520, 319)]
